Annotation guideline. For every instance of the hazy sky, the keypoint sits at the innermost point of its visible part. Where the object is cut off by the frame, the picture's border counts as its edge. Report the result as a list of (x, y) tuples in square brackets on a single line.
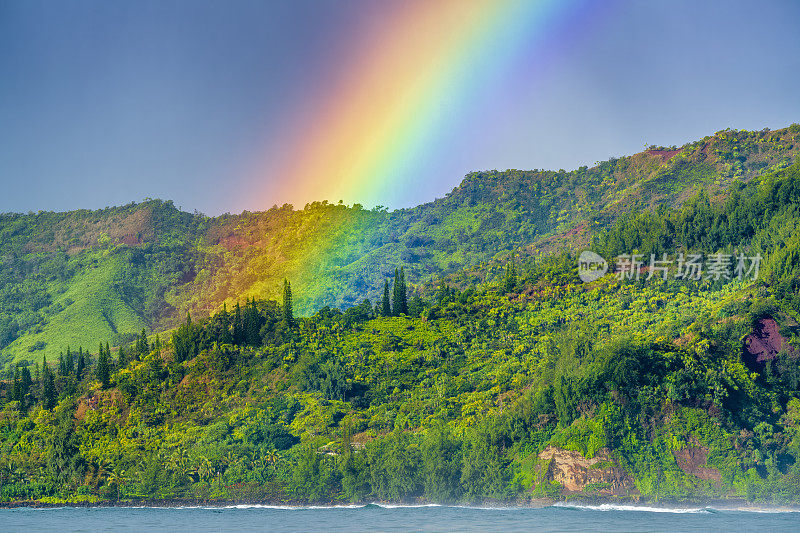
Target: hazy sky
[(106, 102)]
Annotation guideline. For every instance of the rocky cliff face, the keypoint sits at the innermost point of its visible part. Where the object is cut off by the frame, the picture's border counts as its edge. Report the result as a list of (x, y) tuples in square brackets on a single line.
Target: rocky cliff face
[(576, 473)]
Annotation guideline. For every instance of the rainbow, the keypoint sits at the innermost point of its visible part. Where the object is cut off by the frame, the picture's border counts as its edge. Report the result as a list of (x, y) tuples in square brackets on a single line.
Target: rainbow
[(364, 135)]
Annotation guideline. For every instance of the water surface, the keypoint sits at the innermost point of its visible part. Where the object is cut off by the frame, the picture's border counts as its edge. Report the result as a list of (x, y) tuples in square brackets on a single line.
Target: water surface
[(387, 518)]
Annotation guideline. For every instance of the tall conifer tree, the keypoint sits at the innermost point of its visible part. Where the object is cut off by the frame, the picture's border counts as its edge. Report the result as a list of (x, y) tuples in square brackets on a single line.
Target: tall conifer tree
[(122, 357), (238, 335), (81, 364), (386, 306), (400, 302), (142, 346), (510, 281), (287, 310), (69, 362), (103, 368), (49, 384)]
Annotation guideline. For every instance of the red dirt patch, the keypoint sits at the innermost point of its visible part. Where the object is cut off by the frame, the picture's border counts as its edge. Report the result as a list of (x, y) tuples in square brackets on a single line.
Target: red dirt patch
[(693, 460), (95, 399), (131, 240), (664, 155), (764, 343), (233, 242)]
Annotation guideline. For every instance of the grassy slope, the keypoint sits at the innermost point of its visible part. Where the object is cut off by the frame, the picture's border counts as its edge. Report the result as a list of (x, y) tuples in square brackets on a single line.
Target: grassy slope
[(93, 310)]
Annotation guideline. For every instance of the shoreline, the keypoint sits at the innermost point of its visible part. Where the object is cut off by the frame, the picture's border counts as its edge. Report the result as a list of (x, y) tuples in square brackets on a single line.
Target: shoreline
[(540, 503)]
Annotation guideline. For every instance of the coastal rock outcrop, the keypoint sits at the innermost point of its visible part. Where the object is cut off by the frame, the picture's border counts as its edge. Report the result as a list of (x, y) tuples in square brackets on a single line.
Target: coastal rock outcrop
[(600, 474)]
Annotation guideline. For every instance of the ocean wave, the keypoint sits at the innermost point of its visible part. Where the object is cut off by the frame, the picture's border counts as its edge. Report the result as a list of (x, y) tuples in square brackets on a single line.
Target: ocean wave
[(602, 507), (633, 507), (287, 507), (675, 510)]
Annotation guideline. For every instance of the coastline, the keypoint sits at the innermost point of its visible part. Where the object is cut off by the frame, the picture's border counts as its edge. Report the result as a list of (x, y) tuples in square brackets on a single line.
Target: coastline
[(621, 504)]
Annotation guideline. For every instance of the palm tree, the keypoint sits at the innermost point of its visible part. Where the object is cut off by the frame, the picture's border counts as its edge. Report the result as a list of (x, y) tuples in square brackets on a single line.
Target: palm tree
[(272, 456), (118, 477), (7, 471), (102, 469), (205, 469), (180, 465), (231, 459), (193, 473)]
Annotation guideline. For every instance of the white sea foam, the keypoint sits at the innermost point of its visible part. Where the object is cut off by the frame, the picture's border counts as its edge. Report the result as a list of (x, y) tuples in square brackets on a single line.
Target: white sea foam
[(286, 507), (560, 505), (676, 510), (406, 506), (632, 507)]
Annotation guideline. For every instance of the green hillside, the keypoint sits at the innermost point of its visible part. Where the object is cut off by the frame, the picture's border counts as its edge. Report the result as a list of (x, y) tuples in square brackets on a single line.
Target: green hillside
[(503, 380), (82, 277)]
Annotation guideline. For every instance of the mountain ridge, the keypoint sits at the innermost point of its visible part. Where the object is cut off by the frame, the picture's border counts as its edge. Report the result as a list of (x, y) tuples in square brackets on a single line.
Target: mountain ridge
[(161, 262)]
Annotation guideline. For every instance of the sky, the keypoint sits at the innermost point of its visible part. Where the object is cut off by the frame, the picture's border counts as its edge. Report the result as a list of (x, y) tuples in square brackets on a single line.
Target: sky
[(230, 105)]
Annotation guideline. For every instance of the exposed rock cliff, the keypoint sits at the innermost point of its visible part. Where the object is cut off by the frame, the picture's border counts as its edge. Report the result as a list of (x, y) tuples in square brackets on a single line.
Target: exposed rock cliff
[(600, 474)]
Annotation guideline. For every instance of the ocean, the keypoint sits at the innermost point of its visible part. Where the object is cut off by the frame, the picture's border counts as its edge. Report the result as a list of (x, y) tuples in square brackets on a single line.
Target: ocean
[(397, 518)]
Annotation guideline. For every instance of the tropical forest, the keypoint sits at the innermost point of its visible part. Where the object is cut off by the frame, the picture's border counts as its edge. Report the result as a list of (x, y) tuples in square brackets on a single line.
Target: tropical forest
[(451, 352)]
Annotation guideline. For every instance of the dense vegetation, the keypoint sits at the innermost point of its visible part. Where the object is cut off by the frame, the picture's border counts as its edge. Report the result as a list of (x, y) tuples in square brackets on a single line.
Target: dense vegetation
[(443, 391), (453, 403)]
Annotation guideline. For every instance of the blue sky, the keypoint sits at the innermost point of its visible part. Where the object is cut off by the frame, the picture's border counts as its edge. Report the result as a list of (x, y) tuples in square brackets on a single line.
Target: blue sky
[(103, 103)]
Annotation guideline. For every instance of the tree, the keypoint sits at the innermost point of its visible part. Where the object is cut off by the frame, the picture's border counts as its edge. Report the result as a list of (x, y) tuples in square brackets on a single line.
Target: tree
[(103, 368), (122, 357), (441, 469), (400, 302), (510, 279), (25, 381), (64, 459), (142, 346), (353, 468), (417, 306), (117, 478), (223, 318), (238, 325), (22, 385), (484, 472), (49, 384), (386, 306), (393, 465), (252, 324), (81, 365), (183, 341), (286, 310), (17, 386), (314, 474), (334, 383), (69, 362)]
